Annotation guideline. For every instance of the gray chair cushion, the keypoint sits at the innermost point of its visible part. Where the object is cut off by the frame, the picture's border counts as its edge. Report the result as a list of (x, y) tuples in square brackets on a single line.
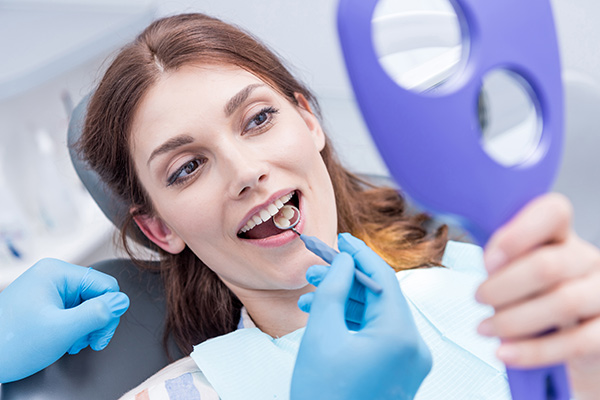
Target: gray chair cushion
[(111, 205)]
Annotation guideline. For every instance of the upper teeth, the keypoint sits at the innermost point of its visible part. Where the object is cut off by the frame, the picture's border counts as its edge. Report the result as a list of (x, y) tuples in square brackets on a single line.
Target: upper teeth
[(266, 213)]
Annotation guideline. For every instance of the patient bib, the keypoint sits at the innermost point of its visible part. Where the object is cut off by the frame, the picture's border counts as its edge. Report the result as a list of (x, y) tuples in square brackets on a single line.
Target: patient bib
[(249, 364), (447, 315)]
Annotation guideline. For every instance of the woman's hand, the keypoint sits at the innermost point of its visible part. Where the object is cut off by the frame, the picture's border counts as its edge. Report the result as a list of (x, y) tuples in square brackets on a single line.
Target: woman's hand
[(385, 359), (542, 276)]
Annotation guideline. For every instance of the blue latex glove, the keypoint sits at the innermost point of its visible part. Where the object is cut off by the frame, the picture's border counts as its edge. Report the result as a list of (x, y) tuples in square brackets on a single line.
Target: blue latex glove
[(53, 308), (385, 359), (355, 304)]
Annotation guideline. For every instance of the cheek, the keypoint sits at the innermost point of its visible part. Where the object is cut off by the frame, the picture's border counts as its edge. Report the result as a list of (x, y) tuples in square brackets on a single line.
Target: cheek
[(295, 149), (194, 217)]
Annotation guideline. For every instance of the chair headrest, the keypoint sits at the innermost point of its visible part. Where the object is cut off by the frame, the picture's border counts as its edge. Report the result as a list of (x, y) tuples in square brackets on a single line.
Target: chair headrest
[(112, 206)]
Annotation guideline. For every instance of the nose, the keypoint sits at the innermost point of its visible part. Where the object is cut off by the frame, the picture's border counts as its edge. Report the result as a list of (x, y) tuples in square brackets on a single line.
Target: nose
[(246, 169)]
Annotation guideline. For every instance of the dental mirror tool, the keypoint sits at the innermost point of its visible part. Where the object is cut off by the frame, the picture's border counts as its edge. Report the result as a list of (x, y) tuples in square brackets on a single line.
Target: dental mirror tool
[(432, 140), (289, 216)]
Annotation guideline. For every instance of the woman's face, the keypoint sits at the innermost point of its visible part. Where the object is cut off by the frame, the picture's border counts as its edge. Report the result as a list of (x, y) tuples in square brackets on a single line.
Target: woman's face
[(216, 147)]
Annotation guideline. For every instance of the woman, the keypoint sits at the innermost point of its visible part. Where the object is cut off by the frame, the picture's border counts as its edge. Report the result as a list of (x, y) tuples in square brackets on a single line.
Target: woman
[(205, 134)]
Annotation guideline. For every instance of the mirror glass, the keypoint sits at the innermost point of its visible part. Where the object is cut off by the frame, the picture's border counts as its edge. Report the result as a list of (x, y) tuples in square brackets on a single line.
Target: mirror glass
[(418, 42), (511, 127)]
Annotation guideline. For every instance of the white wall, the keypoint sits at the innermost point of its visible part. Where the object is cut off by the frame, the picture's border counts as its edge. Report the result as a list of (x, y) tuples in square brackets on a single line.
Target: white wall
[(579, 34)]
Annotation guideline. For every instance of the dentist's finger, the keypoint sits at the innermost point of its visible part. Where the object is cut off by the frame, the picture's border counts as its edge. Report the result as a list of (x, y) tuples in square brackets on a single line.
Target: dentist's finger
[(388, 305), (75, 280), (367, 260), (305, 301), (329, 302), (354, 309), (95, 283), (95, 314), (79, 345), (546, 219), (316, 273), (100, 339)]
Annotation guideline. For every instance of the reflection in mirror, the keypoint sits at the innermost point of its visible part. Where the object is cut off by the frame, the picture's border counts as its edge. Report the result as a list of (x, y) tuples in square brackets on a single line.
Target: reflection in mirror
[(418, 42), (510, 125)]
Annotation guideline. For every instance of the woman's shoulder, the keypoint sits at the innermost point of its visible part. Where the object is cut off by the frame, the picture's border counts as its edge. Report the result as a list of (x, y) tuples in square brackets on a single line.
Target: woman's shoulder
[(464, 257), (181, 379), (459, 257), (462, 272)]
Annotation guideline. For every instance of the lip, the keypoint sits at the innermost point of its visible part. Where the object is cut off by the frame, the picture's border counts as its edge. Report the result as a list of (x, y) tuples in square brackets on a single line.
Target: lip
[(284, 237)]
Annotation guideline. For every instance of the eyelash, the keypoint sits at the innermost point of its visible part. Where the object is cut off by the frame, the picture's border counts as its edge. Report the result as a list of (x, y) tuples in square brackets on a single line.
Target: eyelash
[(175, 180), (266, 111)]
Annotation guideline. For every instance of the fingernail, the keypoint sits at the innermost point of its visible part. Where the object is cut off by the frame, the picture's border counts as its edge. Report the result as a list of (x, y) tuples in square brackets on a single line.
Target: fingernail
[(494, 260), (507, 353), (486, 328)]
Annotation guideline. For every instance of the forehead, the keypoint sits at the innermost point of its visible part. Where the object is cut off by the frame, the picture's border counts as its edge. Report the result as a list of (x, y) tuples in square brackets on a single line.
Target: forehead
[(204, 84), (186, 96)]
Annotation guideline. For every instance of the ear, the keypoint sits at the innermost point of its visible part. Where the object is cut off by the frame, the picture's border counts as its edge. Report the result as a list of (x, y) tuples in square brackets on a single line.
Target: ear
[(159, 233), (311, 121)]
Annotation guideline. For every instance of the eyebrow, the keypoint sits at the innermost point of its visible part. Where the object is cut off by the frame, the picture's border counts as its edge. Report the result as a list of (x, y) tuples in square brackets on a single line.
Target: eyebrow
[(170, 145), (236, 101), (233, 104)]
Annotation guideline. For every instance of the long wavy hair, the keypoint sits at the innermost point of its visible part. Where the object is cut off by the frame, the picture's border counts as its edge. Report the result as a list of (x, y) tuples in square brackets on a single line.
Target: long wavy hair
[(199, 305)]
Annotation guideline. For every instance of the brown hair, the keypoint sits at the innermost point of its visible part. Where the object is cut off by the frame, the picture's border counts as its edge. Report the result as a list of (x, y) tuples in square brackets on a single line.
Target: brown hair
[(199, 305)]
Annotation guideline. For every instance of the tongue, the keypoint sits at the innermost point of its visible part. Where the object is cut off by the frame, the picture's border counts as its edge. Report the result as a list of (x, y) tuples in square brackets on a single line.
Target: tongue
[(263, 230)]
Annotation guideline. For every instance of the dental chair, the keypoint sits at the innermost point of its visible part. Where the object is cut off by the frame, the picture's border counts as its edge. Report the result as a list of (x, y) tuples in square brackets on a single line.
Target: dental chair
[(136, 351)]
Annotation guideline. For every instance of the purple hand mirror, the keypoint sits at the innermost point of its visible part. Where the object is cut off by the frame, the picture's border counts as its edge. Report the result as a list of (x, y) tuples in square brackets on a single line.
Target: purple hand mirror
[(431, 141)]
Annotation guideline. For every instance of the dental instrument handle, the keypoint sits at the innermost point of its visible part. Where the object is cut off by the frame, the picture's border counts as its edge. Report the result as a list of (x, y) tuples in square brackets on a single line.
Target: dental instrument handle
[(319, 248)]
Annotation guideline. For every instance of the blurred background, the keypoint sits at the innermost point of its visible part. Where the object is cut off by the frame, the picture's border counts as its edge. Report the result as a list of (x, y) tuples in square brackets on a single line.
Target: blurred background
[(52, 53)]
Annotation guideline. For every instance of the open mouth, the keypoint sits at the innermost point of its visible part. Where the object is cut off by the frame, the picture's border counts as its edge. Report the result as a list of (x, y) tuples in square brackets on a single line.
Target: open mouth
[(261, 225)]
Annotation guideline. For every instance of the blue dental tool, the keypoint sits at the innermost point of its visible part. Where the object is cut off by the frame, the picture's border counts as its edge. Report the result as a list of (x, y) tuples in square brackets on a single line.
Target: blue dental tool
[(318, 247), (431, 141)]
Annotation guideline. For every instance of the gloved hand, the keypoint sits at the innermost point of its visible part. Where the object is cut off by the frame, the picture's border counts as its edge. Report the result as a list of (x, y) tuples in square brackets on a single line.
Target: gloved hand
[(355, 304), (385, 359), (52, 308)]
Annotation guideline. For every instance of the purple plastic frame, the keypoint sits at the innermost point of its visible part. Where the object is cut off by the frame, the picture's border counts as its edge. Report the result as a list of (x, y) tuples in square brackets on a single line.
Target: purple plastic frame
[(431, 141)]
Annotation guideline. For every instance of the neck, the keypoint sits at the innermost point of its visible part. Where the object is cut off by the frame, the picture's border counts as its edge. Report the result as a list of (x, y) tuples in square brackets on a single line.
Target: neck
[(276, 313)]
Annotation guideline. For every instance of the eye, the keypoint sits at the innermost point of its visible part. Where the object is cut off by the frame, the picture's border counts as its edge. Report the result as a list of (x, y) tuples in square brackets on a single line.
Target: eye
[(260, 119), (184, 172)]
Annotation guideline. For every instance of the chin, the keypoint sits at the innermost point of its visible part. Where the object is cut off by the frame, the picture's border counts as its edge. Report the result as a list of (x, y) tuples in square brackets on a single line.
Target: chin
[(296, 280)]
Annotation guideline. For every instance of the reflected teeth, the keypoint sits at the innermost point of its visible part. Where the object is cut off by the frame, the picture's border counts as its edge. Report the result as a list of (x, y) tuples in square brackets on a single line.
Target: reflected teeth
[(266, 213), (283, 220)]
